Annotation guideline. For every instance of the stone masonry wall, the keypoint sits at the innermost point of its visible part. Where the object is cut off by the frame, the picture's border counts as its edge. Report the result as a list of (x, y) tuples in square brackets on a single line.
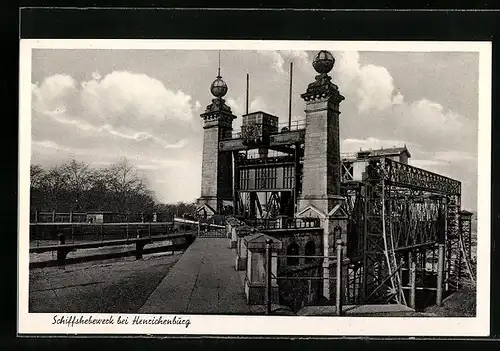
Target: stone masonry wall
[(210, 163), (321, 155)]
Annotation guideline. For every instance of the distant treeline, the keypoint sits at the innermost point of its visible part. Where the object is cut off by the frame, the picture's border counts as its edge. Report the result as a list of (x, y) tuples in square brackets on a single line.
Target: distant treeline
[(79, 187)]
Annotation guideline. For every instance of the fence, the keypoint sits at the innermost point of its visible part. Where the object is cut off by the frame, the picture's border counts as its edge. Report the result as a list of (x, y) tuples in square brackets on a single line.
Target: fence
[(101, 231), (99, 216), (313, 283), (282, 127), (285, 223)]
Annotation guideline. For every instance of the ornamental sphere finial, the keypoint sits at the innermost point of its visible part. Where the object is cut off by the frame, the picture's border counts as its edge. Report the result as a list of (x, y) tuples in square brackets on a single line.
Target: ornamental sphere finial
[(323, 62), (218, 87)]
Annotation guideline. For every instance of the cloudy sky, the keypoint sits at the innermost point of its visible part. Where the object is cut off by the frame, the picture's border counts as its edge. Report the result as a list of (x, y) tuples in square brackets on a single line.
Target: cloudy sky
[(100, 105)]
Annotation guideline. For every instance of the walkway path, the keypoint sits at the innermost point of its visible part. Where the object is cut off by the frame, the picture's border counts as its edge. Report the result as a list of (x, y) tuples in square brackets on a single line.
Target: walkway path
[(110, 286), (203, 281)]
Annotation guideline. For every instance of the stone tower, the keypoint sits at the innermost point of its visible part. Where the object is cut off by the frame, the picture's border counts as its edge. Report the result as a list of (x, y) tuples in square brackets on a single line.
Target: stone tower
[(216, 173), (321, 172)]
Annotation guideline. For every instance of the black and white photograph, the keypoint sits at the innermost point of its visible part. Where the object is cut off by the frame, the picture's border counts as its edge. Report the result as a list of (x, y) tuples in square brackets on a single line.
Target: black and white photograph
[(254, 187)]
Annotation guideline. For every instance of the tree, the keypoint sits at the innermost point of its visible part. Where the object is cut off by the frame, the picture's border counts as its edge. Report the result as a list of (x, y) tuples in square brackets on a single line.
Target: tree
[(36, 176), (131, 193), (78, 182), (76, 186), (55, 189)]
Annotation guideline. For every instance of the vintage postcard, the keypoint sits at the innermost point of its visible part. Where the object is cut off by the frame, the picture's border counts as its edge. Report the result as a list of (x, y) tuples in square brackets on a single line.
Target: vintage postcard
[(246, 188)]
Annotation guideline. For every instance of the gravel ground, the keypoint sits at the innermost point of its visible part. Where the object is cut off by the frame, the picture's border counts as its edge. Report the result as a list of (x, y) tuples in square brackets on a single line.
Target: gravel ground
[(112, 286), (460, 304)]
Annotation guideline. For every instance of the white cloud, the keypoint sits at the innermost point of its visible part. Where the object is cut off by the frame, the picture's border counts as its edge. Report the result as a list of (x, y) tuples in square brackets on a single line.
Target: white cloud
[(372, 85), (131, 99), (298, 57), (431, 115), (276, 58), (96, 76), (52, 94), (133, 115), (398, 99)]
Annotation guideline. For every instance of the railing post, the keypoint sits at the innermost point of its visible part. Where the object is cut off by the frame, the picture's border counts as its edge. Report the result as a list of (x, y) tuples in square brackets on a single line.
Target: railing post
[(149, 229), (102, 232), (53, 216), (61, 253), (36, 227), (338, 292), (413, 278), (138, 247), (440, 274), (268, 275)]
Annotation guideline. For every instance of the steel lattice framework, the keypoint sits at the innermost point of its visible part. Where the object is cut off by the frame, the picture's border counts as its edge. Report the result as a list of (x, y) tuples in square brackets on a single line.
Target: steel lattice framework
[(404, 210), (398, 214)]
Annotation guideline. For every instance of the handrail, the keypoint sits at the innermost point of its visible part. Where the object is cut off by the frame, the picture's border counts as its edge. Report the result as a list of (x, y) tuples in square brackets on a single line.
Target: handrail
[(187, 221), (100, 224), (96, 244)]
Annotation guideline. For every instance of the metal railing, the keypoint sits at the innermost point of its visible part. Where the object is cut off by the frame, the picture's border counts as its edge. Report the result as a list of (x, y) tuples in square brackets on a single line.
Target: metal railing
[(98, 231), (324, 277), (104, 216), (282, 127), (284, 223)]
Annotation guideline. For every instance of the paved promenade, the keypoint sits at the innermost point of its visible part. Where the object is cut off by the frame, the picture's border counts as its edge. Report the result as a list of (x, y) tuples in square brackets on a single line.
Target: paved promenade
[(110, 286), (203, 281)]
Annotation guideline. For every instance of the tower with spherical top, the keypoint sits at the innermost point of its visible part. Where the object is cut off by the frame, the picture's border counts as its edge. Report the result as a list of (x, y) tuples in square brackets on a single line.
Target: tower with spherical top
[(322, 167), (321, 174), (216, 173)]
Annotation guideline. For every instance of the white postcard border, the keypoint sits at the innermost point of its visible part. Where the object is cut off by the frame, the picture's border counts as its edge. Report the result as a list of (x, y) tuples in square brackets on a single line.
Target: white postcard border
[(42, 323)]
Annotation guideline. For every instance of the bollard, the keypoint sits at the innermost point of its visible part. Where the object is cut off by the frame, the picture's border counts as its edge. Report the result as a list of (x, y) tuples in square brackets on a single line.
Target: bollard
[(338, 292), (61, 253), (62, 238), (138, 247), (268, 275), (440, 273)]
